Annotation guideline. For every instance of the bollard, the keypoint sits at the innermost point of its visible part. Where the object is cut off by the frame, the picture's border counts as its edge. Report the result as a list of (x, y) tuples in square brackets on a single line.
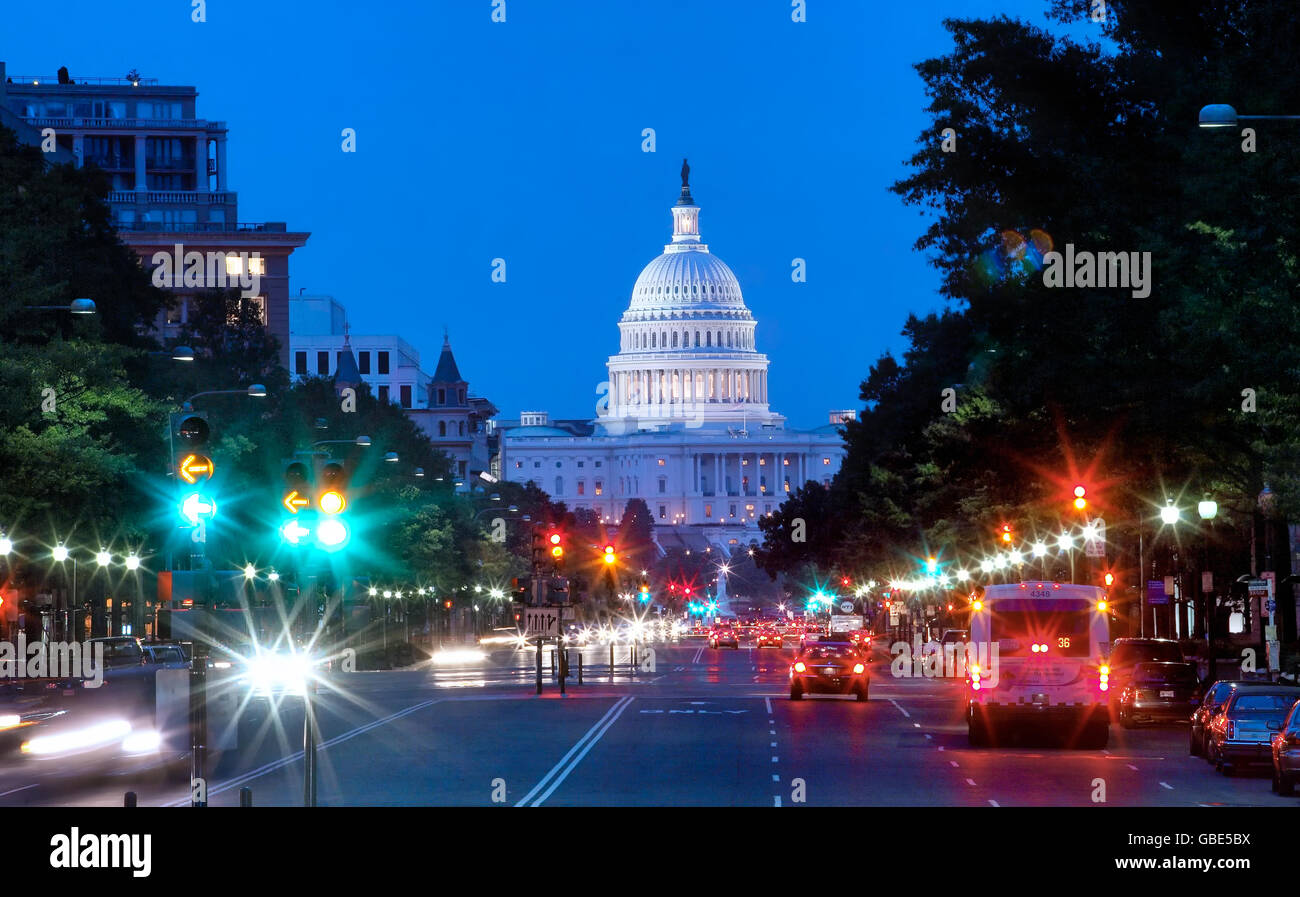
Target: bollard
[(245, 797), (129, 799), (580, 667), (611, 661), (554, 672), (539, 666), (564, 665)]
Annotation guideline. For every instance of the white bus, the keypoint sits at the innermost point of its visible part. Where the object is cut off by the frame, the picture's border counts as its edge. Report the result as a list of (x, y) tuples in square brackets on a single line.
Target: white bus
[(1042, 650)]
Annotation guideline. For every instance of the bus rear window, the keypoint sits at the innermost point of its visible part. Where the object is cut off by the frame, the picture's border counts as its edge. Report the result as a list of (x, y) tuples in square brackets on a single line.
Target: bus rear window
[(1065, 633)]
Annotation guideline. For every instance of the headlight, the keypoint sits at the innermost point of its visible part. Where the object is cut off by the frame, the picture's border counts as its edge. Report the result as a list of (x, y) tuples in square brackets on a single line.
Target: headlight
[(145, 741), (288, 672), (9, 720), (78, 739)]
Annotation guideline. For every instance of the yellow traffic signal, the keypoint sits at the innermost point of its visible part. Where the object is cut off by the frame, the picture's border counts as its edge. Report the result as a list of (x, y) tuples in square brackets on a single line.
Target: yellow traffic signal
[(610, 555), (1005, 534), (1080, 502), (557, 549), (332, 501)]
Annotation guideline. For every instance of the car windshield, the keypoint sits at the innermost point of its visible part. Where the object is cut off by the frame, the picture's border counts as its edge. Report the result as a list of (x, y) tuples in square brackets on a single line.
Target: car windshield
[(1171, 674), (1265, 703), (118, 654)]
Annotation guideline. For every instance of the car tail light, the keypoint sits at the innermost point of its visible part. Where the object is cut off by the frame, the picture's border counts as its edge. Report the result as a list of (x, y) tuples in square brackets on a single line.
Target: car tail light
[(1232, 729), (799, 667), (859, 668)]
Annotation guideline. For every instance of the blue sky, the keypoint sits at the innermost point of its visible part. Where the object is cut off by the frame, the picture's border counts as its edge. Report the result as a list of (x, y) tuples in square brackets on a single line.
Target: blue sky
[(523, 141)]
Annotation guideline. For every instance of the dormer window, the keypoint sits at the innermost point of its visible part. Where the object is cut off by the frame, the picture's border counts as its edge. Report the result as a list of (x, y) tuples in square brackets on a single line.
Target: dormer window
[(442, 397)]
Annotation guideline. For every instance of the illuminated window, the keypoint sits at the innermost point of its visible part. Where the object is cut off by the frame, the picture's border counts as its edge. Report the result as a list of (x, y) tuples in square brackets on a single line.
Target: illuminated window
[(582, 487), (600, 490), (257, 266), (661, 462), (826, 461), (518, 465), (708, 510), (663, 512)]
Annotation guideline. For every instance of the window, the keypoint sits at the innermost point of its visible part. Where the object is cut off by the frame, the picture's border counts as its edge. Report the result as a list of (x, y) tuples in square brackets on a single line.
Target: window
[(461, 427), (600, 490), (708, 510), (383, 393), (442, 428), (597, 463), (663, 512), (663, 485), (580, 463), (406, 398), (442, 397), (383, 362), (518, 465), (661, 462), (582, 487), (323, 363), (363, 362), (732, 510), (559, 485), (462, 395), (557, 465), (826, 461), (537, 464), (300, 362)]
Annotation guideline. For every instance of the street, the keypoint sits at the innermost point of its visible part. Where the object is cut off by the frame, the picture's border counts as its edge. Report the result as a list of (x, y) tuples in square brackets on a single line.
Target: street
[(706, 728)]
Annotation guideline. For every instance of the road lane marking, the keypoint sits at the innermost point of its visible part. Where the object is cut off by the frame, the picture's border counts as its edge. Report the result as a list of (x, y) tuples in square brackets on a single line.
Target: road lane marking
[(768, 702), (777, 799), (953, 762), (590, 739), (774, 759), (1132, 767), (24, 788), (775, 777), (994, 803), (971, 782), (771, 731), (900, 708), (1167, 786), (773, 744), (297, 755)]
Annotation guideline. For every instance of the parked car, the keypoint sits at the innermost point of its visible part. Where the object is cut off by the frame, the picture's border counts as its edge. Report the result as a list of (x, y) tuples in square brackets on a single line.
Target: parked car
[(1215, 697), (1285, 746), (1159, 692), (1240, 732)]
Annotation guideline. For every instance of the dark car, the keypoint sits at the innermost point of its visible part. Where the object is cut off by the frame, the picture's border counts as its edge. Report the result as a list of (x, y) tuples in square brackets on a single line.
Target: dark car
[(1240, 732), (120, 651), (1215, 697), (169, 656), (829, 668), (724, 635), (1285, 746), (1159, 692), (1126, 653)]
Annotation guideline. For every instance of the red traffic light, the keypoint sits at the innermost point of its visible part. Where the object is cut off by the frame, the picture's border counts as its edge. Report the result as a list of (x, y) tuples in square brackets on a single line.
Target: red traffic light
[(555, 538), (1005, 533), (1080, 502)]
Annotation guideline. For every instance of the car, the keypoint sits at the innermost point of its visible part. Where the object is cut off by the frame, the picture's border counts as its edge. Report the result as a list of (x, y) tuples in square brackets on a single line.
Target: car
[(1285, 748), (767, 638), (724, 635), (168, 656), (861, 638), (120, 651), (1240, 731), (1159, 692), (1127, 653), (1215, 697), (829, 668)]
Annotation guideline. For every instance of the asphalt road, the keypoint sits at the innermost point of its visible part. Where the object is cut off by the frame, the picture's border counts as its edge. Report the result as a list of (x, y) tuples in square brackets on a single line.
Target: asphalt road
[(705, 728)]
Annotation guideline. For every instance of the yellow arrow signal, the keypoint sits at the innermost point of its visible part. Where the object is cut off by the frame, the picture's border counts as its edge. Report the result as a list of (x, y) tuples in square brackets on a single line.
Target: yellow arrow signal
[(194, 466), (293, 501)]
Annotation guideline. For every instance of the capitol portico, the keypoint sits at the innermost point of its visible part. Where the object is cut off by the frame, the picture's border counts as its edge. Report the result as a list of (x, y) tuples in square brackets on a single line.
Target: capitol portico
[(684, 423)]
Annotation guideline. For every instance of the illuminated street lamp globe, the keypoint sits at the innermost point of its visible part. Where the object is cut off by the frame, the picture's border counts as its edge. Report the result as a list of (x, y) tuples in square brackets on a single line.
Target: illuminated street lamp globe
[(962, 574), (1169, 514), (132, 562), (6, 545), (1065, 542), (249, 571), (103, 558), (986, 566), (1208, 508), (60, 553), (1039, 549)]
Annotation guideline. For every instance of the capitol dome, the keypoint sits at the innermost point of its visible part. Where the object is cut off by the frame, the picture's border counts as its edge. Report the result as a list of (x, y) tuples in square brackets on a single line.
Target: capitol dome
[(687, 347)]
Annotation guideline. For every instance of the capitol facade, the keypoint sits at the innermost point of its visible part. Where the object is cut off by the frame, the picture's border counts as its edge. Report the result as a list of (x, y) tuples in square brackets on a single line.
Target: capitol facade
[(684, 422)]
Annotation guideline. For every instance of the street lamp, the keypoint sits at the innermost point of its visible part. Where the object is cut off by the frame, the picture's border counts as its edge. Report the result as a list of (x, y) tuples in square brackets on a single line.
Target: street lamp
[(1169, 515), (133, 562), (103, 558), (76, 307), (1219, 116)]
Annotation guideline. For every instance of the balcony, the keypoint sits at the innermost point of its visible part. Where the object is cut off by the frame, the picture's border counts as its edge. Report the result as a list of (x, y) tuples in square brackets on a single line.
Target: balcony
[(202, 227), (126, 124), (173, 197)]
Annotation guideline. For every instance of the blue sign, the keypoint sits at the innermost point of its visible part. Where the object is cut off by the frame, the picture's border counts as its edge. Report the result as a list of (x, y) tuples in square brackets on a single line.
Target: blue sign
[(1156, 592)]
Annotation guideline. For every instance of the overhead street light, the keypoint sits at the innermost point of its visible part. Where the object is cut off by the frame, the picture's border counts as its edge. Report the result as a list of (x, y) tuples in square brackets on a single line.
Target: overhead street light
[(1223, 116), (76, 307)]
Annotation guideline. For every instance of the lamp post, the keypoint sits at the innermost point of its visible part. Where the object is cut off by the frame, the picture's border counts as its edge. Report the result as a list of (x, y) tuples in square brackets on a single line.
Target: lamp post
[(1221, 116), (1208, 509)]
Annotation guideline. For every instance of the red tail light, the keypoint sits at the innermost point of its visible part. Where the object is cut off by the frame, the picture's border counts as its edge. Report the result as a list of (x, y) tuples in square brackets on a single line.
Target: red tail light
[(799, 667), (1232, 729)]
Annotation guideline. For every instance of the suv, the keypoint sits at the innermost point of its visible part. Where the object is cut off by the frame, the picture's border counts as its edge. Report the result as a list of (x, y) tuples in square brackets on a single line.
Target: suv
[(1127, 653), (120, 651)]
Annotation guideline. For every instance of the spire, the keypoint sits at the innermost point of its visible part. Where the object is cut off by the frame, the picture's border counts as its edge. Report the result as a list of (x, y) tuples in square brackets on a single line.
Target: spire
[(446, 372), (347, 374)]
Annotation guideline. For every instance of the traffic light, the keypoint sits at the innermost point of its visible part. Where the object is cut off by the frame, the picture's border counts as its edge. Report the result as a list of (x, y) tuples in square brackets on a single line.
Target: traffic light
[(1080, 500), (332, 531), (645, 590), (1109, 579), (522, 590), (931, 565), (1006, 534), (194, 468), (555, 544), (611, 556)]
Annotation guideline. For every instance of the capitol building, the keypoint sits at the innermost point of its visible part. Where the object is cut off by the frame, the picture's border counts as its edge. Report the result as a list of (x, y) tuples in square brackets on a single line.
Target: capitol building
[(684, 421)]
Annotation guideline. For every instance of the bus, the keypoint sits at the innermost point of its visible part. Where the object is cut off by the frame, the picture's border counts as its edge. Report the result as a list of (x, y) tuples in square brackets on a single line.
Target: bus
[(1038, 656)]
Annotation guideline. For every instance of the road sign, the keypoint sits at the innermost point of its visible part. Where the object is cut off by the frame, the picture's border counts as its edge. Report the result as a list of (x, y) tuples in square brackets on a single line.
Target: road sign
[(541, 622), (195, 467), (846, 607), (1096, 548), (1156, 592)]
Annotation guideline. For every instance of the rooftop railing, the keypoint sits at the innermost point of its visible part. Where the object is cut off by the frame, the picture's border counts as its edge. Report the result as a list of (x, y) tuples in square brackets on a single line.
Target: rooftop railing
[(53, 80)]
